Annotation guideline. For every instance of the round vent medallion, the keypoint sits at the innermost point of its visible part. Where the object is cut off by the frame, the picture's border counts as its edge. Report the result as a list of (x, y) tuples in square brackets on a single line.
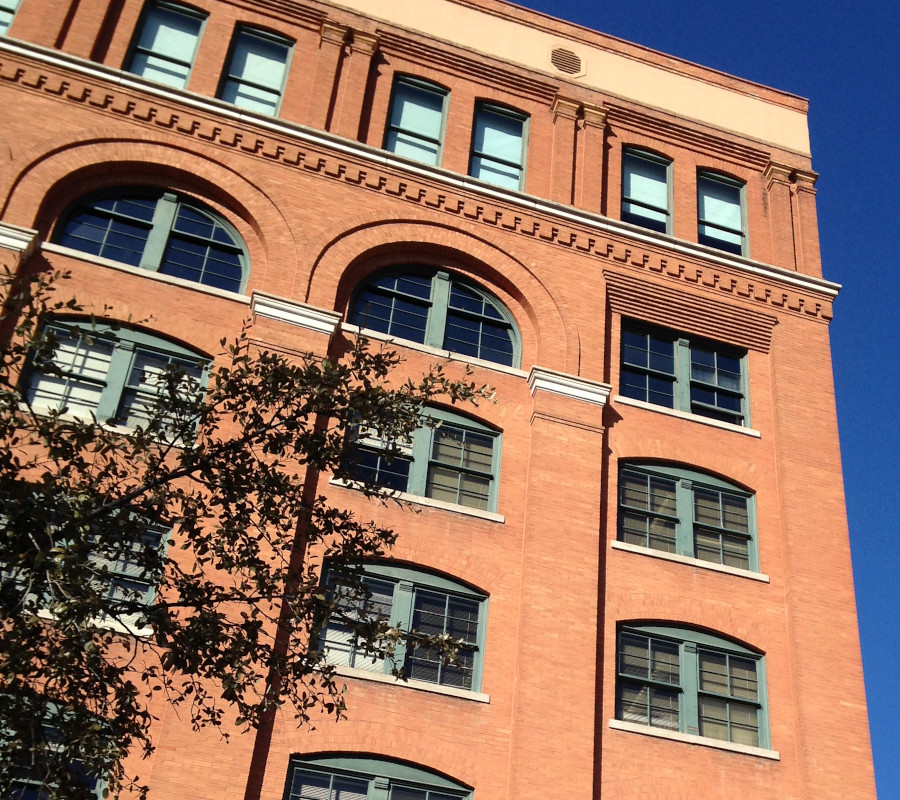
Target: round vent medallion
[(565, 61)]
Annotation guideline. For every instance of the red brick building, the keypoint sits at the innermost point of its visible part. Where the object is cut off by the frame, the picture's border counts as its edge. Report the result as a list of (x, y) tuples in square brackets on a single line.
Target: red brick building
[(644, 539)]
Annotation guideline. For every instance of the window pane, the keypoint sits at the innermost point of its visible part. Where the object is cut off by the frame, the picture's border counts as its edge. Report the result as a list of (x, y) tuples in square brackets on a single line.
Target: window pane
[(498, 136), (256, 73), (645, 193), (339, 638), (165, 47), (720, 204), (713, 672), (83, 360)]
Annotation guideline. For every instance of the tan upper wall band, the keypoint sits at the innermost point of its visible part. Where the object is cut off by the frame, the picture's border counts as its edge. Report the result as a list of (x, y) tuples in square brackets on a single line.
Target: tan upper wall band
[(603, 70)]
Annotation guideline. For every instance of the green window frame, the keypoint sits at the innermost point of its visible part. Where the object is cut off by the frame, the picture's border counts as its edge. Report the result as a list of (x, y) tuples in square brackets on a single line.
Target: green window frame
[(680, 679), (255, 70), (108, 374), (165, 43), (688, 513), (498, 145), (437, 309), (359, 777), (411, 599), (721, 218), (158, 231), (8, 10), (416, 120), (686, 373), (646, 190), (451, 458)]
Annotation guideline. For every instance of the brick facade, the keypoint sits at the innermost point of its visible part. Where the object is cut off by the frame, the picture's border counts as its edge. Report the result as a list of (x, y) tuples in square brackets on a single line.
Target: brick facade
[(321, 207)]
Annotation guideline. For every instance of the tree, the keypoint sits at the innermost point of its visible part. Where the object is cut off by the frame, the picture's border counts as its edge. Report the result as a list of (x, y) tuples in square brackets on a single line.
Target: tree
[(212, 502)]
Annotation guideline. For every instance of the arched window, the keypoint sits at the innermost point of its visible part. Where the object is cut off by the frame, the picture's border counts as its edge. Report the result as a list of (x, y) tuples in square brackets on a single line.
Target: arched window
[(159, 231), (436, 308), (112, 374), (688, 513), (367, 778), (412, 599), (685, 680)]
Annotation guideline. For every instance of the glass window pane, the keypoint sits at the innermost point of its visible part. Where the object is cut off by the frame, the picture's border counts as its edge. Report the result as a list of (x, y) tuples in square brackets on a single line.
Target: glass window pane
[(498, 136), (720, 204)]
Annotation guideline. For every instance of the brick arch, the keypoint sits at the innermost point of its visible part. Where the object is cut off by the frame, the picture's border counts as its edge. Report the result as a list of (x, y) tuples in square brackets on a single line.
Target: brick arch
[(689, 611), (379, 740), (53, 176), (369, 246)]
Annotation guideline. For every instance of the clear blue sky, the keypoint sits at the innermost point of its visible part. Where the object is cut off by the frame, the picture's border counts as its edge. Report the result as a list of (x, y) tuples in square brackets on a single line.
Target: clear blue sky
[(845, 58)]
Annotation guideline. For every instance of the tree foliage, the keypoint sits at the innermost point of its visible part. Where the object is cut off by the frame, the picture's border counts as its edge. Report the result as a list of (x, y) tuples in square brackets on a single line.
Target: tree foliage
[(215, 502)]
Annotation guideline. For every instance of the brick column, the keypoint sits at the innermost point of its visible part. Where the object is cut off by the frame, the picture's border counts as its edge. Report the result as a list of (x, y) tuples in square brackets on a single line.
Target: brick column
[(781, 216), (562, 160), (328, 63), (41, 23), (590, 167), (806, 225), (552, 743), (354, 79)]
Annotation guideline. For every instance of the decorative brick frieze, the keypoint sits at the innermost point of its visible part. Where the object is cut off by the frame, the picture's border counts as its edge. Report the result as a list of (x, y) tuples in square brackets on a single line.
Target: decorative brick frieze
[(684, 136), (459, 64)]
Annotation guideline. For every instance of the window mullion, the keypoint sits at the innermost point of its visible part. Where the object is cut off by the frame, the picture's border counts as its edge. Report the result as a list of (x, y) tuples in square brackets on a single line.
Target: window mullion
[(684, 525), (163, 220), (689, 708), (421, 455), (683, 374), (401, 615), (119, 368), (440, 301)]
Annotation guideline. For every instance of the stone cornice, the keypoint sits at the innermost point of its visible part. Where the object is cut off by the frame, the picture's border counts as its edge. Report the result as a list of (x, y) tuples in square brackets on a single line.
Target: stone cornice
[(20, 240), (293, 313), (576, 387), (122, 96)]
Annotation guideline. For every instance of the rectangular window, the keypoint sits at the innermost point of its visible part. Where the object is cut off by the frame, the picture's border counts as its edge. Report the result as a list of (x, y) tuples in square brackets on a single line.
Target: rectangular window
[(254, 76), (720, 212), (696, 683), (450, 459), (114, 377), (690, 513), (411, 600), (645, 190), (416, 123), (166, 43), (685, 373), (8, 10), (498, 146)]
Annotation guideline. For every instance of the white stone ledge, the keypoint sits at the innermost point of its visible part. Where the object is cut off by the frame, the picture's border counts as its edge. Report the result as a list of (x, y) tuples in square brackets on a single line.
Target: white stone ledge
[(687, 738), (548, 380), (49, 247), (421, 686), (13, 237), (414, 499), (293, 313), (674, 412), (690, 561)]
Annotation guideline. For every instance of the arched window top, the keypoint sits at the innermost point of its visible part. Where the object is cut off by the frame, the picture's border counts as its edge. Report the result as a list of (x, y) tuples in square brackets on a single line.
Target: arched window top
[(159, 231), (363, 777), (439, 309)]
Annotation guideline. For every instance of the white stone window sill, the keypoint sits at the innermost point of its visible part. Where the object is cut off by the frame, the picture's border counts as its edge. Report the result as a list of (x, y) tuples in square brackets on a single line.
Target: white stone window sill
[(107, 623), (415, 499), (422, 686), (690, 561), (704, 741), (144, 273), (673, 412), (449, 355)]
